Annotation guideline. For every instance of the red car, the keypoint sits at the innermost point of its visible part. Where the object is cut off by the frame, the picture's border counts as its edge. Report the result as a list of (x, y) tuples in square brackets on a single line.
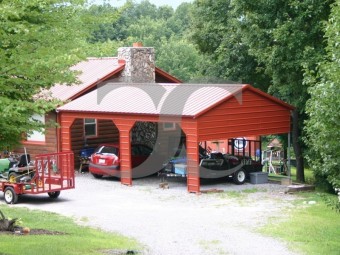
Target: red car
[(106, 159)]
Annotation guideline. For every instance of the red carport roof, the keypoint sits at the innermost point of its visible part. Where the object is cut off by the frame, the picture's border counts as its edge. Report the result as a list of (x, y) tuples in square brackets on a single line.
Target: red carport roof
[(159, 99)]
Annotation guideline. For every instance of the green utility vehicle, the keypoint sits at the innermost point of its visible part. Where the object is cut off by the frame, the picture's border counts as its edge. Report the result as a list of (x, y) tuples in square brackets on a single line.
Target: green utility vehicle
[(14, 168)]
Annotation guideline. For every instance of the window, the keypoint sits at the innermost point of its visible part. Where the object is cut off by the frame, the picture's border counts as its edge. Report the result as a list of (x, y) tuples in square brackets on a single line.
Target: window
[(90, 127), (37, 136), (167, 126)]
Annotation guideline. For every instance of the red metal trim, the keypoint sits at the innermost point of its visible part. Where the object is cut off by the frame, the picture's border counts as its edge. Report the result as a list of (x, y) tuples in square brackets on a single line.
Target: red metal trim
[(127, 113), (167, 75), (117, 70)]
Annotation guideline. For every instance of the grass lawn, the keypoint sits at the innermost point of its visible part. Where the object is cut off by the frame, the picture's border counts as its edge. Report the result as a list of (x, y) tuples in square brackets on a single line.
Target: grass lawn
[(312, 227), (74, 240), (309, 177)]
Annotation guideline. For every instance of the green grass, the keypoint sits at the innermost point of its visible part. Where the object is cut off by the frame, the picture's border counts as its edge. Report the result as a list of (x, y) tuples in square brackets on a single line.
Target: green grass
[(309, 177), (239, 194), (75, 240), (311, 228)]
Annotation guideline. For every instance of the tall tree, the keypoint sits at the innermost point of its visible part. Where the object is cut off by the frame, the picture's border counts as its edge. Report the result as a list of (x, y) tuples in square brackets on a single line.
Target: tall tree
[(126, 20), (180, 21), (286, 37), (148, 31), (280, 38), (323, 108), (112, 25), (39, 42), (217, 32), (179, 58)]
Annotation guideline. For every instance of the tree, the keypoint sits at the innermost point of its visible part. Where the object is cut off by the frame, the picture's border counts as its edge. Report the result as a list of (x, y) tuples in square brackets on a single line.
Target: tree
[(148, 31), (286, 37), (112, 25), (216, 30), (179, 58), (179, 22), (323, 108), (280, 38), (39, 42), (127, 20), (165, 12)]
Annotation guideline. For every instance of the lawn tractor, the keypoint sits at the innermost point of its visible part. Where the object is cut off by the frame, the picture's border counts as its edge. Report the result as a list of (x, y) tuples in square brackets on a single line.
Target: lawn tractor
[(16, 168)]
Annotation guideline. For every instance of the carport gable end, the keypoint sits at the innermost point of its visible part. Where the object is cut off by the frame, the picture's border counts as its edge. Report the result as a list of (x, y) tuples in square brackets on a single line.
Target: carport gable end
[(247, 112)]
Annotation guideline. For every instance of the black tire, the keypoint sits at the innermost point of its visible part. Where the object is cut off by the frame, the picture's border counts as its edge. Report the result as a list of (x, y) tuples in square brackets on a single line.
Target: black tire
[(54, 194), (13, 177), (97, 176), (10, 196), (239, 177)]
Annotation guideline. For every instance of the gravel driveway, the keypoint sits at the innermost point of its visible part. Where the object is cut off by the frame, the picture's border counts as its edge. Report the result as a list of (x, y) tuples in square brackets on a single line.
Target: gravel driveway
[(172, 221)]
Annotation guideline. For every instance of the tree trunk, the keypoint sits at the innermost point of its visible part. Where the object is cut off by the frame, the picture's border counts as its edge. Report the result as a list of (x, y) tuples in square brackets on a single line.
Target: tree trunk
[(300, 174)]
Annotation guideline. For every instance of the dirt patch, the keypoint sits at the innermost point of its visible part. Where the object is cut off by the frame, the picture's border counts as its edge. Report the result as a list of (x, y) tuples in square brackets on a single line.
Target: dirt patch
[(119, 252), (33, 232)]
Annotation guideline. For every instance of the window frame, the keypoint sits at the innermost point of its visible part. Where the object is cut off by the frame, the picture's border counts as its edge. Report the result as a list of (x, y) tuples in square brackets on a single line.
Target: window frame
[(88, 124), (169, 126), (37, 137)]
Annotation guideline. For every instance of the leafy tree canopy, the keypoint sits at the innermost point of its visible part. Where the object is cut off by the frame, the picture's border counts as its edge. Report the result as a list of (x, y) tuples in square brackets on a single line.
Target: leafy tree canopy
[(158, 27), (179, 58), (323, 108), (270, 42), (40, 40), (217, 31)]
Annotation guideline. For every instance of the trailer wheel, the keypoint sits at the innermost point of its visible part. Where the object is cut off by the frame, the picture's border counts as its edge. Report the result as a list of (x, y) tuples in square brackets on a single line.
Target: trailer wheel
[(13, 177), (10, 196), (239, 176), (54, 194)]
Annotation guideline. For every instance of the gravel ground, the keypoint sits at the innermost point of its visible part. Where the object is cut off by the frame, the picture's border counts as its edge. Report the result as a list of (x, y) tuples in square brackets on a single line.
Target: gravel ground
[(173, 221)]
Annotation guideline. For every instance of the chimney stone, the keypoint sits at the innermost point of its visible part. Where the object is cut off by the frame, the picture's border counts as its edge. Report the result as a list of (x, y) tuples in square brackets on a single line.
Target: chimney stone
[(139, 64)]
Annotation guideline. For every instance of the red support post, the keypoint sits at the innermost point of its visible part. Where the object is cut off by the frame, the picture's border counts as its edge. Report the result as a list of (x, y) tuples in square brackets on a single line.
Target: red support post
[(193, 174), (124, 127)]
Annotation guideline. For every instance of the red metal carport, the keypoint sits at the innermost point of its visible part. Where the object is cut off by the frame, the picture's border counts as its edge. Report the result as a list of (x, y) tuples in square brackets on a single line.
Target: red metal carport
[(204, 112)]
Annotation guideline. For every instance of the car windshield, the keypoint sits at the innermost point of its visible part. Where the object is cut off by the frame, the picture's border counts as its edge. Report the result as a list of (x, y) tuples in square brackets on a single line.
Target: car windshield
[(107, 150)]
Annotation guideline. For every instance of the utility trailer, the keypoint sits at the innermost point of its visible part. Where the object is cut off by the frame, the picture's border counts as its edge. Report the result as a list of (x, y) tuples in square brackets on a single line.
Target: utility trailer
[(245, 158), (51, 174)]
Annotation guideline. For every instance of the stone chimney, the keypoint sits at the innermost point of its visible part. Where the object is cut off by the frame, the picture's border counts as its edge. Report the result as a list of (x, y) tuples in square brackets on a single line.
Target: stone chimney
[(139, 64)]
